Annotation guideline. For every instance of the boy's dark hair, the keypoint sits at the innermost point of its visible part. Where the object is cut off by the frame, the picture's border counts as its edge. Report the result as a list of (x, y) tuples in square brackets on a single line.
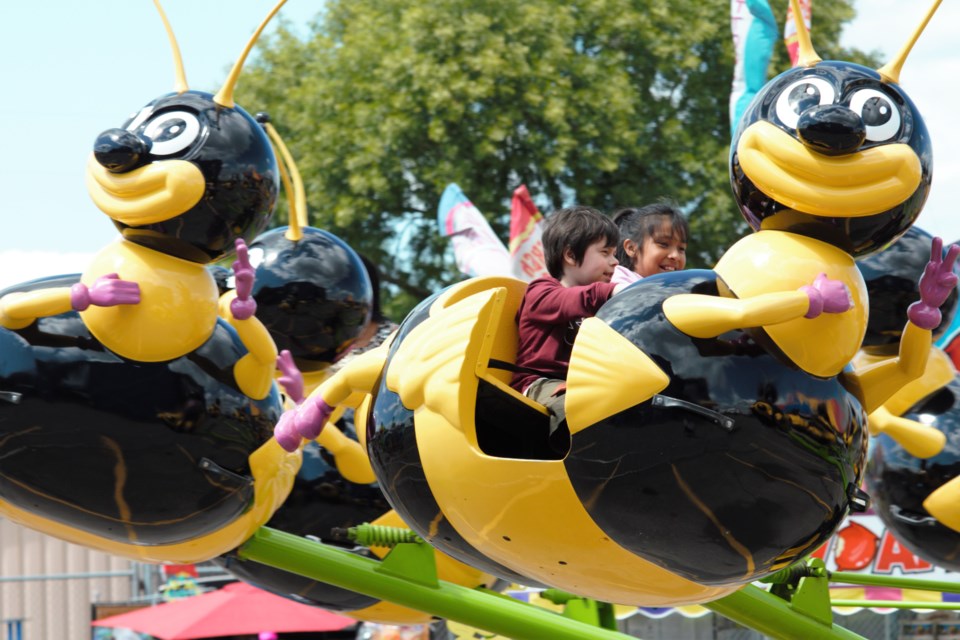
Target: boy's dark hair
[(577, 228), (638, 223)]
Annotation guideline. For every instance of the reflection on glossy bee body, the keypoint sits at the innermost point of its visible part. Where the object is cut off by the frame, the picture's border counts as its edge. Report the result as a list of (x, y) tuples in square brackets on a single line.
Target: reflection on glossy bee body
[(142, 417)]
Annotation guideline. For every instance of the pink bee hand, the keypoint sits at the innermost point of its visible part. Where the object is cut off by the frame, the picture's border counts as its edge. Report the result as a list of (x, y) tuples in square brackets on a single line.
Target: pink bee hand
[(107, 291), (243, 306), (827, 296), (312, 415), (936, 283), (287, 436), (292, 379)]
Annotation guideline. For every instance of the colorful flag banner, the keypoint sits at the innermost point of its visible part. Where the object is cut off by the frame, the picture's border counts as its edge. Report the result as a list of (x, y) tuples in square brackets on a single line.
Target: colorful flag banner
[(526, 249), (754, 31), (478, 251), (790, 28)]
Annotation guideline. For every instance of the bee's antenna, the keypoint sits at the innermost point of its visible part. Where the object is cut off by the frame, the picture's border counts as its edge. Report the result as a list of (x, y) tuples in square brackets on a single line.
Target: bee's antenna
[(180, 81), (296, 195), (224, 97), (807, 56), (890, 72)]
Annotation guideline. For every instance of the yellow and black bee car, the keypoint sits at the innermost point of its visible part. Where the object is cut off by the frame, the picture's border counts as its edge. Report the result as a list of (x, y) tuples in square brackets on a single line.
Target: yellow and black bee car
[(717, 431)]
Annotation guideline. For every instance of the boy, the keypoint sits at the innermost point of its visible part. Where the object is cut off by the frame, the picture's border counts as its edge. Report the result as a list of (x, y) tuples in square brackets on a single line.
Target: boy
[(580, 245)]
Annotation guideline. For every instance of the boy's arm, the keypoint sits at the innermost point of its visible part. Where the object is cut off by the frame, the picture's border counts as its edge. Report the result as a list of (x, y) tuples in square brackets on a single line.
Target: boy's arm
[(551, 303)]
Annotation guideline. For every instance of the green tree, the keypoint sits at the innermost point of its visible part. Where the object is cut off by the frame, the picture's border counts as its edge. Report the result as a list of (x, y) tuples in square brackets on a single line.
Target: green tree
[(602, 102)]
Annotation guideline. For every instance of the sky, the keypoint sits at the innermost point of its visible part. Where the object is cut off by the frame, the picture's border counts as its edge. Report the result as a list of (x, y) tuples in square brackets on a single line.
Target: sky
[(73, 69)]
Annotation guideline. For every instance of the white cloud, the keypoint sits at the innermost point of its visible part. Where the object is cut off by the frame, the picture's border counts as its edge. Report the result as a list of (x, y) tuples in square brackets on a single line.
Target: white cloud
[(21, 266)]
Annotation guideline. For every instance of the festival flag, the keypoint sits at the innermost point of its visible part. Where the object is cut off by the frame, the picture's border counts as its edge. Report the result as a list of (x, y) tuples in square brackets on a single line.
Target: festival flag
[(478, 251), (526, 249), (754, 31), (790, 28)]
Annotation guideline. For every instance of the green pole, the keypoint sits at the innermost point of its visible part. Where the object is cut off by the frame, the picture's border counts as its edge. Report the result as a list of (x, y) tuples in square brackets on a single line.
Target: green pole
[(498, 614), (755, 608), (896, 604), (949, 586)]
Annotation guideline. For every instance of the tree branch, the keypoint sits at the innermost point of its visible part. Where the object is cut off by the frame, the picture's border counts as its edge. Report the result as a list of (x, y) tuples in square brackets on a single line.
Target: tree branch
[(417, 292)]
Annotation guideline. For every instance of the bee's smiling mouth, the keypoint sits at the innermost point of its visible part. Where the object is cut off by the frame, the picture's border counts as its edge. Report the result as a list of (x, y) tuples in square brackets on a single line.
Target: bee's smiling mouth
[(861, 184), (152, 193)]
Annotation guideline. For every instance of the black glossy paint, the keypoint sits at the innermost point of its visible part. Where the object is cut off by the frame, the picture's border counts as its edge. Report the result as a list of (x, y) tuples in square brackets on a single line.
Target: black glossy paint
[(223, 276), (892, 277), (678, 489), (831, 129), (321, 500), (858, 236), (237, 162), (314, 295), (180, 431), (392, 446), (900, 482)]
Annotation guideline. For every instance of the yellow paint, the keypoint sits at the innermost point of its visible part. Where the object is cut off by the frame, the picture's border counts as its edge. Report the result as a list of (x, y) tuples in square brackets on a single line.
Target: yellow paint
[(253, 372), (882, 380), (21, 308), (866, 183), (937, 372), (890, 72), (349, 455), (177, 311), (944, 504), (152, 193), (436, 365), (806, 56), (777, 261), (594, 392), (180, 84), (920, 440), (532, 503), (224, 96), (703, 316), (488, 499)]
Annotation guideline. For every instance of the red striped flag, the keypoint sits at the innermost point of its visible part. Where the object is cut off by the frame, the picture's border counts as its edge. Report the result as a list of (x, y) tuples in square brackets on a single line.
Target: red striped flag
[(790, 28), (526, 249)]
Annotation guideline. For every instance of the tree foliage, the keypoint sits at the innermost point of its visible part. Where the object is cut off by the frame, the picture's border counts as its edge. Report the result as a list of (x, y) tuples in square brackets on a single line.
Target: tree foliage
[(601, 102)]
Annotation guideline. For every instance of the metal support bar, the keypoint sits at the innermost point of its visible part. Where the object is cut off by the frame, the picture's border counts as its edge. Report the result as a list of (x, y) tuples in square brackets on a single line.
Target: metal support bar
[(68, 576), (499, 614), (950, 586), (764, 612), (896, 604)]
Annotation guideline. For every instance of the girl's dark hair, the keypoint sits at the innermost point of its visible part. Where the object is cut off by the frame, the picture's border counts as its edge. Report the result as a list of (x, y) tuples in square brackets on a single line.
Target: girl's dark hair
[(639, 223), (376, 314), (577, 228)]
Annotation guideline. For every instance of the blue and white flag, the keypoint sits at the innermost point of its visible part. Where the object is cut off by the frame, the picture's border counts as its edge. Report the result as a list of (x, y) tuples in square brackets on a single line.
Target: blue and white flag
[(479, 252), (754, 32)]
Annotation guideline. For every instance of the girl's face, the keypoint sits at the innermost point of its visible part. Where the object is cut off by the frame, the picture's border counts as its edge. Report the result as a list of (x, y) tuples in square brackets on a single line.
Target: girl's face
[(661, 252)]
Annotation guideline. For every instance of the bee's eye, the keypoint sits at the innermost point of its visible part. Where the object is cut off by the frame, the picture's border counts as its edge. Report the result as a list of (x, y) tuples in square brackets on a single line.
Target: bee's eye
[(879, 113), (802, 95), (172, 132)]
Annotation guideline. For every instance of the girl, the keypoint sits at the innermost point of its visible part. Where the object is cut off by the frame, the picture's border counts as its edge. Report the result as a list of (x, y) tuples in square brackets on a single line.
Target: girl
[(653, 239)]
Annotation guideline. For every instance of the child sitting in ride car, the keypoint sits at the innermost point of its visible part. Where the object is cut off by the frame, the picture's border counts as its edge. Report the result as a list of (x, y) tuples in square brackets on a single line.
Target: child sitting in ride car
[(580, 245), (653, 239)]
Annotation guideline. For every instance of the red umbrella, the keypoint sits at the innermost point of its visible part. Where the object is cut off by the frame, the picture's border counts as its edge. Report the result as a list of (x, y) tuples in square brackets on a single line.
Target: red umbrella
[(236, 609)]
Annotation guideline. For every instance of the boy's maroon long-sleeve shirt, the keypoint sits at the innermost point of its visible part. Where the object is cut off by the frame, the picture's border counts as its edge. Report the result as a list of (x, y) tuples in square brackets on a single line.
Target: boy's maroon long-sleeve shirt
[(547, 322)]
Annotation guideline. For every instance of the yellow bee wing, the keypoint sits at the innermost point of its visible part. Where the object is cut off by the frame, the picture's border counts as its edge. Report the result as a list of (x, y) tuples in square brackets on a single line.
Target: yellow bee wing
[(436, 365)]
